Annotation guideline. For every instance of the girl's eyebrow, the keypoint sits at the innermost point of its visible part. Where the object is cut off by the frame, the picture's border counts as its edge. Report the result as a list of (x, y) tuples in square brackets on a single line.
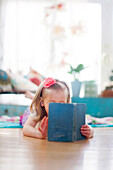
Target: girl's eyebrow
[(52, 100), (55, 101)]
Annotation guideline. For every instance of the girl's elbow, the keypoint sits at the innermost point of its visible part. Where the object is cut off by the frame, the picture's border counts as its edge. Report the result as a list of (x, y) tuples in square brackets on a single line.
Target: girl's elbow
[(24, 131)]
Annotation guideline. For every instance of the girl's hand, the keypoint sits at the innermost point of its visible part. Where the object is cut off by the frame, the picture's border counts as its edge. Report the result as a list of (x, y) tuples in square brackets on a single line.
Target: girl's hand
[(87, 131), (43, 127)]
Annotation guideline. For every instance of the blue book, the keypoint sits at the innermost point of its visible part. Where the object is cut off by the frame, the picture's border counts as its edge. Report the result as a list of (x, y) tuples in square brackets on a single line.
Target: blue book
[(65, 121)]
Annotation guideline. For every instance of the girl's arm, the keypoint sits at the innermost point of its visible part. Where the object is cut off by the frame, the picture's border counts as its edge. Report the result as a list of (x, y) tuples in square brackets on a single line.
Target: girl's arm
[(87, 131), (30, 130)]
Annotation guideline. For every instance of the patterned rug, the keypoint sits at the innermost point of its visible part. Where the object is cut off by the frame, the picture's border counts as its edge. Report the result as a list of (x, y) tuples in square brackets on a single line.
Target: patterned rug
[(10, 125), (14, 122), (99, 122), (10, 122)]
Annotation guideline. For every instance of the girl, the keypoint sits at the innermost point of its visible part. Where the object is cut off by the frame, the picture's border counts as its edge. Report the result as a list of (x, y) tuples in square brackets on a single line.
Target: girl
[(50, 90)]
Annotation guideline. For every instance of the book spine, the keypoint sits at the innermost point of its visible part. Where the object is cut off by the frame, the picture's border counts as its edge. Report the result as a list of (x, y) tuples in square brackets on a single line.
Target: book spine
[(80, 120), (74, 123)]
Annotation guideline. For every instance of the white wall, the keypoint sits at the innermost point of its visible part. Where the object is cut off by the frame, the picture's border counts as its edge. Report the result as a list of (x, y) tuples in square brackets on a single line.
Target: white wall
[(107, 40)]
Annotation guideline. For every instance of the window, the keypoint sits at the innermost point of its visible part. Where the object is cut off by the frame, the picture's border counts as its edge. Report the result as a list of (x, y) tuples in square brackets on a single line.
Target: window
[(43, 34)]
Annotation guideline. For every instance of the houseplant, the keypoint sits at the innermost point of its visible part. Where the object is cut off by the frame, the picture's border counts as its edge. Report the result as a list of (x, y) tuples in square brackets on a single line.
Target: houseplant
[(76, 84)]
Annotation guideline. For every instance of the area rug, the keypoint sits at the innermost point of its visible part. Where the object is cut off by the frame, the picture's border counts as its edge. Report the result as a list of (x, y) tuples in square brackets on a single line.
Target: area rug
[(14, 122), (10, 125), (99, 122), (10, 122)]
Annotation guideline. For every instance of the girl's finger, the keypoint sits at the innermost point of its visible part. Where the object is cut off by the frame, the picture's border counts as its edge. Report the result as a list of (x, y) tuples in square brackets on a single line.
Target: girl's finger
[(46, 121), (43, 121), (85, 129), (40, 129), (85, 132), (46, 124)]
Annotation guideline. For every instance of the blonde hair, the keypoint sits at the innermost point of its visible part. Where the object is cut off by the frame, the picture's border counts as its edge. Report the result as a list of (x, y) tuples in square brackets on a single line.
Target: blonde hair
[(42, 92)]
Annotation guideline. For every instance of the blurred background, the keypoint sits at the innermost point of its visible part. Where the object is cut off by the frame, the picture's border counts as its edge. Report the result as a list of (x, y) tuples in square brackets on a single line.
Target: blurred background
[(47, 36)]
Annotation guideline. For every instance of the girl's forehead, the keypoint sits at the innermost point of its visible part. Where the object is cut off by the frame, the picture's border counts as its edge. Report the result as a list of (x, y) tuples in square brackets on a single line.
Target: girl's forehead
[(53, 93)]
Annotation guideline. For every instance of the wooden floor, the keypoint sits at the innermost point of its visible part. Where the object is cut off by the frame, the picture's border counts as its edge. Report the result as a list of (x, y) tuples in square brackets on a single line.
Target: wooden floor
[(23, 153)]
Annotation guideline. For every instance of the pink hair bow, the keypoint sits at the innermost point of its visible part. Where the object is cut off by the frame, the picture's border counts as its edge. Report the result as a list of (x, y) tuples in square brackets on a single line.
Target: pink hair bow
[(49, 82)]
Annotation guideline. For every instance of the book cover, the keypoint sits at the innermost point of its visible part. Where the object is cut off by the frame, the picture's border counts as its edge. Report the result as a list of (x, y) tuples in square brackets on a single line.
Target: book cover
[(65, 121)]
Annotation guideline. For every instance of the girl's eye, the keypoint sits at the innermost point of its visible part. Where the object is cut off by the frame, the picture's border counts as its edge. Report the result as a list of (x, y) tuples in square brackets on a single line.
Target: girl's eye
[(52, 102), (56, 102)]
